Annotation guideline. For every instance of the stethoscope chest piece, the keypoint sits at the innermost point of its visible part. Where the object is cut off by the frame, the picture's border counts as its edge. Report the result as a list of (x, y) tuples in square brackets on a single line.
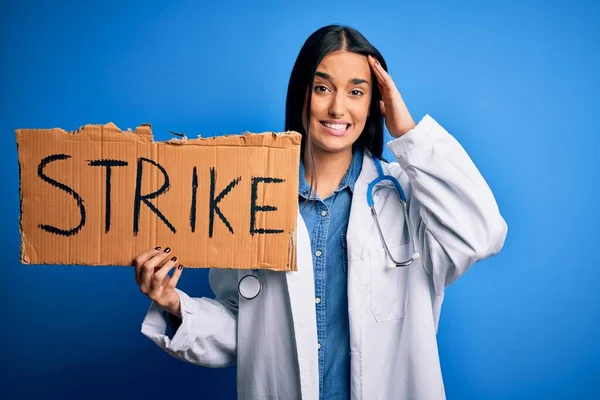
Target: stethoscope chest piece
[(249, 287)]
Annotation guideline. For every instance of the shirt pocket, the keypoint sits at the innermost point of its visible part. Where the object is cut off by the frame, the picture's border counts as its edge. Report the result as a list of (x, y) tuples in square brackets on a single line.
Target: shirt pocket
[(344, 253), (389, 285)]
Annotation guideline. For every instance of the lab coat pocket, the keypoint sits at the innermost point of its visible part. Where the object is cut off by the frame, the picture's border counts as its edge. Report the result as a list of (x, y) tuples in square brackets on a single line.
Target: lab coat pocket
[(389, 284)]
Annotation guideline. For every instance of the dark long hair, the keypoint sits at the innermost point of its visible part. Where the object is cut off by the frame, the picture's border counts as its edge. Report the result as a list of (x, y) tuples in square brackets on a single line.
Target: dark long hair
[(322, 42)]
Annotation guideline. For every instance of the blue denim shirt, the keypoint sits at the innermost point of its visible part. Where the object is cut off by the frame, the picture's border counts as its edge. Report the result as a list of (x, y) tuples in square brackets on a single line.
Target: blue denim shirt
[(327, 221)]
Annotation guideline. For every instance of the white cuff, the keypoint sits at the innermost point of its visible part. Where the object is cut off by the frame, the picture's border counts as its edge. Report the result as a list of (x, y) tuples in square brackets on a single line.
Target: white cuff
[(155, 324)]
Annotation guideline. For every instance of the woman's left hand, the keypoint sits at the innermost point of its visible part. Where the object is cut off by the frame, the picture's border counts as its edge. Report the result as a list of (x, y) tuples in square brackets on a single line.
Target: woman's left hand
[(397, 118)]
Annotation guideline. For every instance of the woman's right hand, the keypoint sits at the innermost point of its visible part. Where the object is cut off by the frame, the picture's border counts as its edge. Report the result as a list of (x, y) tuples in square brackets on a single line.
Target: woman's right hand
[(152, 275)]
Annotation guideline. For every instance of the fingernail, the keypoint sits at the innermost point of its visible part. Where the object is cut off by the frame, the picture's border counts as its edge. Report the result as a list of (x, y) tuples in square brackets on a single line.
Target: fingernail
[(157, 248), (180, 267), (173, 258), (168, 249)]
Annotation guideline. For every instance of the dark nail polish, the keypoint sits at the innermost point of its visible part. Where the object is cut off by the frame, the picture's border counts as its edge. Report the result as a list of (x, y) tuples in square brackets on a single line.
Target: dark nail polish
[(180, 267), (174, 259), (157, 249), (167, 250)]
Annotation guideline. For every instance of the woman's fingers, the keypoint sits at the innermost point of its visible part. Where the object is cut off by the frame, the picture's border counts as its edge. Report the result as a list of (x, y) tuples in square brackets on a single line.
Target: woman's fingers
[(175, 278), (140, 260), (377, 68), (383, 78), (163, 285), (161, 275), (380, 86), (152, 275), (149, 266)]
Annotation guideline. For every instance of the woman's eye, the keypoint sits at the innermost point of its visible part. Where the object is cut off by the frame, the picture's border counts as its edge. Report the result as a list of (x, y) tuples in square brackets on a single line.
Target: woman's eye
[(320, 88), (356, 92)]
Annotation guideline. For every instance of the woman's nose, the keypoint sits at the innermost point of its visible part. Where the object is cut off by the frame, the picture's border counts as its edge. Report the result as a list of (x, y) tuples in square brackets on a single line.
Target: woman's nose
[(334, 114), (336, 109)]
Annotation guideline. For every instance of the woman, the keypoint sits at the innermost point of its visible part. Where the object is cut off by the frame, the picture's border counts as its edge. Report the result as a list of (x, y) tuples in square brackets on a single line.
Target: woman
[(346, 324)]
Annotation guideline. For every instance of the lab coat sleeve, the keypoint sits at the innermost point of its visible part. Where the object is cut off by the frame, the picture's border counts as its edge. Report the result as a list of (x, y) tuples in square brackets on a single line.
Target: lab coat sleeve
[(452, 212), (207, 335)]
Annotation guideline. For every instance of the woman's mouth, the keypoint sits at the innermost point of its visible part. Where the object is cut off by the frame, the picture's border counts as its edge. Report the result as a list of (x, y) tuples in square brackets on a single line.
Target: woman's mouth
[(336, 129)]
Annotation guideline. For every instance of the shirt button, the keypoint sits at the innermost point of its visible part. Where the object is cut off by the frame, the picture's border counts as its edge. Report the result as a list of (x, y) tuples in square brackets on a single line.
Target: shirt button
[(318, 253), (323, 213), (318, 345), (317, 300)]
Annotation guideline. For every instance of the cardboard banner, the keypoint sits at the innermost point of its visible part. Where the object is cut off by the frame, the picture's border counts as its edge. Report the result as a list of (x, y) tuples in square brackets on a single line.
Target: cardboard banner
[(100, 196)]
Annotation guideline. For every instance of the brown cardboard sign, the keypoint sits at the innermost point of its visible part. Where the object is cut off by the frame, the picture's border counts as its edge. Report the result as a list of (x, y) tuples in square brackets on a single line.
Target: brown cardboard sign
[(100, 196)]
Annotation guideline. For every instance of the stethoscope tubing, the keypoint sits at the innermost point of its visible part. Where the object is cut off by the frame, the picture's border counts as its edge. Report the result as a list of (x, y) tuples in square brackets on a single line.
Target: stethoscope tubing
[(371, 190)]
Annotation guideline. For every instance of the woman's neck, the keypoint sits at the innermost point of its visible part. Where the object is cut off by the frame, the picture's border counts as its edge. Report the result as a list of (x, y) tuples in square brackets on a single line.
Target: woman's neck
[(330, 168)]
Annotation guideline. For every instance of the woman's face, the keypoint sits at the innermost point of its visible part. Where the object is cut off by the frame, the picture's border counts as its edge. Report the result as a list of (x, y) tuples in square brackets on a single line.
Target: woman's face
[(341, 96)]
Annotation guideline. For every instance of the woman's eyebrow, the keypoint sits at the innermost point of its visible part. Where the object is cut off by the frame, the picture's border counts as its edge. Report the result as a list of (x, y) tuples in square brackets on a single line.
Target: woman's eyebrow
[(358, 81), (323, 75), (354, 81)]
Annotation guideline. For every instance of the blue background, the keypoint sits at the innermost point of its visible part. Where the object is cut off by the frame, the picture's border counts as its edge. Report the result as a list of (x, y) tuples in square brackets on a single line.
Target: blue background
[(516, 82)]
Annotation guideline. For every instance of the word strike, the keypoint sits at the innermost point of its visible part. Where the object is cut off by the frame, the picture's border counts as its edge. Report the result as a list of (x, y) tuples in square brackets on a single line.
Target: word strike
[(144, 199)]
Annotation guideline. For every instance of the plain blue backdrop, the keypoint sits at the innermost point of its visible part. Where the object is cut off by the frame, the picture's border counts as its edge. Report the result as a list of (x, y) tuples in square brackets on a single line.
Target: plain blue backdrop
[(516, 82)]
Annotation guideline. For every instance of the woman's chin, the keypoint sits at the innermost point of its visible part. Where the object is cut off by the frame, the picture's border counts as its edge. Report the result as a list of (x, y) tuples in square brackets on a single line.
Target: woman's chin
[(334, 146)]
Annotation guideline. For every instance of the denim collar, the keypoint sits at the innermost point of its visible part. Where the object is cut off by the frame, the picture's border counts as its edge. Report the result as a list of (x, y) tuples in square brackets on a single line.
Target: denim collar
[(347, 181)]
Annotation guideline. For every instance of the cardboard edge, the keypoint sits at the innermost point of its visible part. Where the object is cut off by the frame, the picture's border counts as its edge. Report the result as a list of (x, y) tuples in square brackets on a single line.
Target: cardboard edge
[(290, 134), (199, 139), (22, 255), (292, 264), (143, 131), (248, 133)]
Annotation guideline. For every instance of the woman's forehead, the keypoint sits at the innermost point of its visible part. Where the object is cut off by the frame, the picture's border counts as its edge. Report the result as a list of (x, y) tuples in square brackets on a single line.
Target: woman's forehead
[(345, 65)]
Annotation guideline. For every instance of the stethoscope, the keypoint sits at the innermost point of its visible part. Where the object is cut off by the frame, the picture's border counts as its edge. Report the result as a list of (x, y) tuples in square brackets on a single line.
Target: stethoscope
[(249, 286), (396, 185)]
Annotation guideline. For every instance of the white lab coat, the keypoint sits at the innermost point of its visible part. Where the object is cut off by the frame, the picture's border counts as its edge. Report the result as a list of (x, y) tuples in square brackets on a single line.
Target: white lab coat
[(394, 312)]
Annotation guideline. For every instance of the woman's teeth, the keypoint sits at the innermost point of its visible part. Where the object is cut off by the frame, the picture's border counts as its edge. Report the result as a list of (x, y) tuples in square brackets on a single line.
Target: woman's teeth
[(337, 127)]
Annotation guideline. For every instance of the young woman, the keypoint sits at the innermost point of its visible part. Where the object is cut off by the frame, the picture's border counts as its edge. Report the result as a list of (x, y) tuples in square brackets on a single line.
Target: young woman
[(355, 321)]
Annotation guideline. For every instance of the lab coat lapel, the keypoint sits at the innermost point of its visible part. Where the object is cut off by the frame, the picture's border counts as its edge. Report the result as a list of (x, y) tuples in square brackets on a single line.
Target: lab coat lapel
[(301, 289)]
